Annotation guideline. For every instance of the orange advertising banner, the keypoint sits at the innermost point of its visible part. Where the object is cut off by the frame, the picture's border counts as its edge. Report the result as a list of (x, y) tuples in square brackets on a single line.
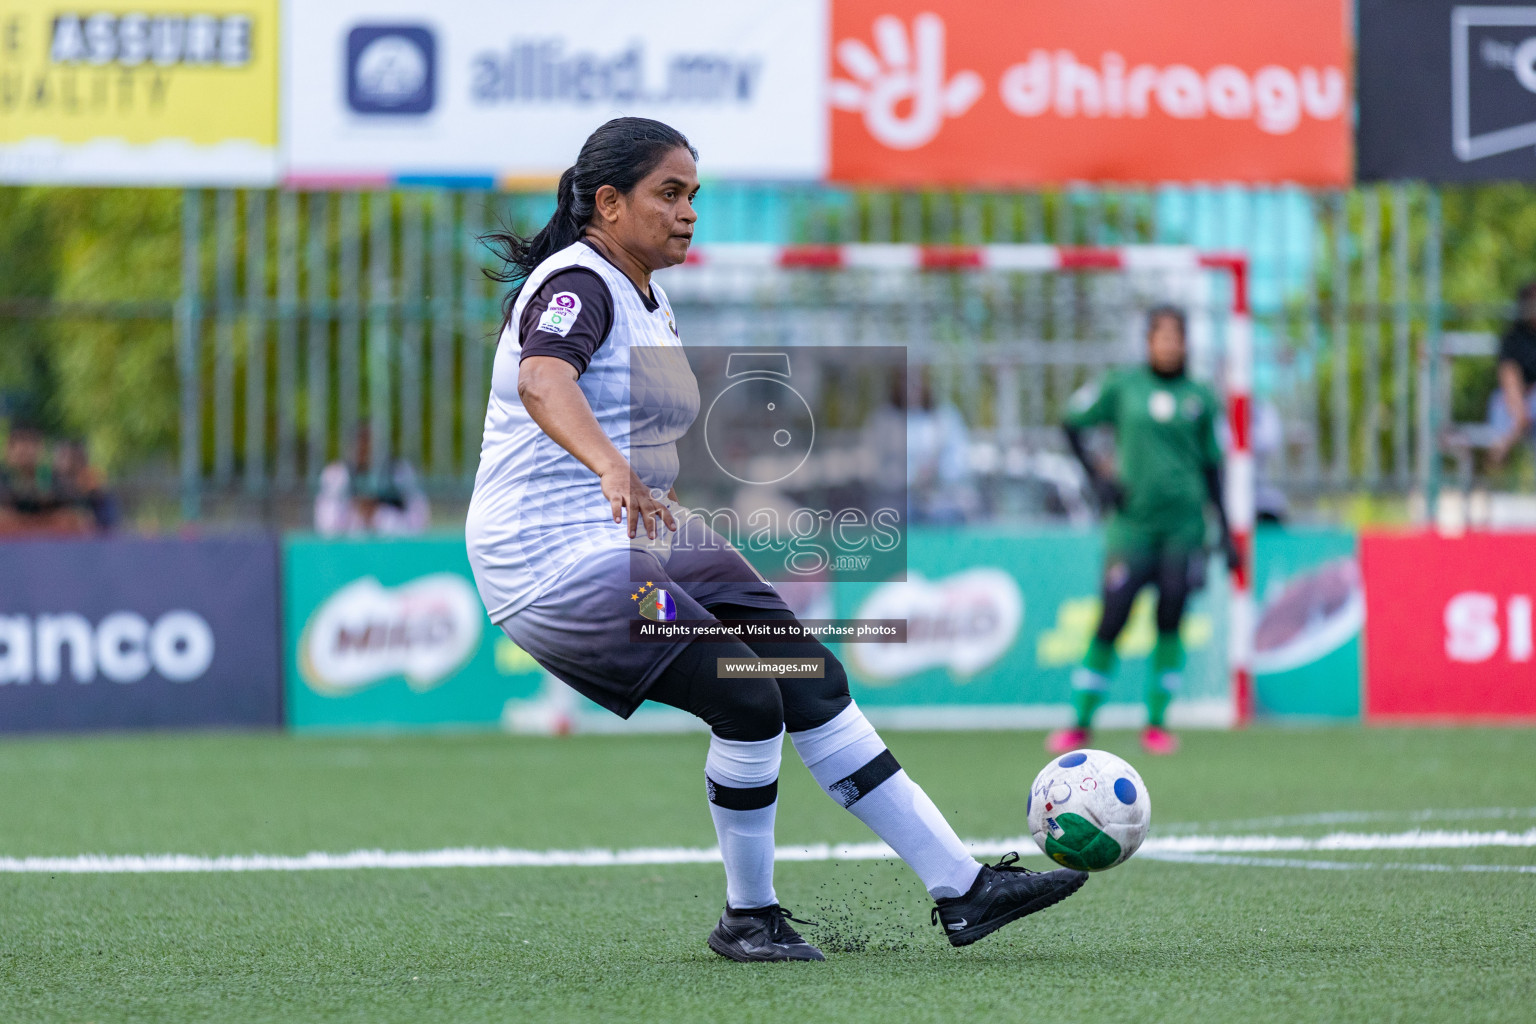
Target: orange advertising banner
[(1036, 92)]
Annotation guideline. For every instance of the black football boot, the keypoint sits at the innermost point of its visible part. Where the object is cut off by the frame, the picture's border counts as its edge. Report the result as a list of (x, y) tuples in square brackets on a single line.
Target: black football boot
[(762, 934), (1002, 893)]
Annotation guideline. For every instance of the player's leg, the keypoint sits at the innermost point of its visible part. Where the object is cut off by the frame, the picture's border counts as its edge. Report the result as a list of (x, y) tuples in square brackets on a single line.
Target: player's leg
[(1177, 574), (854, 767), (741, 770), (848, 759), (746, 720), (1127, 569), (580, 632)]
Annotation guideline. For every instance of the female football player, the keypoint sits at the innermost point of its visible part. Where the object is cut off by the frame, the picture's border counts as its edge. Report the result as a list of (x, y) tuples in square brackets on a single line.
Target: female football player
[(1170, 469), (574, 528)]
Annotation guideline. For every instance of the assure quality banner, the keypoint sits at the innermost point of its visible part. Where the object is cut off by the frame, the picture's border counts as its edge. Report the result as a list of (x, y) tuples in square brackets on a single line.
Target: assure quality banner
[(481, 92), (138, 634), (1004, 92), (114, 92), (1449, 626)]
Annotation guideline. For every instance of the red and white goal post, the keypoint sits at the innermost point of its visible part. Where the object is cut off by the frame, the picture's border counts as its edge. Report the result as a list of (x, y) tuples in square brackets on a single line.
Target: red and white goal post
[(1236, 357)]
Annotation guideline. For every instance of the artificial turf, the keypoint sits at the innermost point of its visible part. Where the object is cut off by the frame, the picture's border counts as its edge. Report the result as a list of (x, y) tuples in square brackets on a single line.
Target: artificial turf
[(1150, 941)]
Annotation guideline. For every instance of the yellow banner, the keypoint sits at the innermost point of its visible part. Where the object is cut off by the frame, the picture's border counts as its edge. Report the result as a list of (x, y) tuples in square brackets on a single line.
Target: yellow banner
[(191, 73)]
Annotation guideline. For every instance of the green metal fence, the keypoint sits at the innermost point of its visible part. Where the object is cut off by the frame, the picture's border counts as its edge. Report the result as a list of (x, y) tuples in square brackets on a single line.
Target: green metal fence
[(301, 316)]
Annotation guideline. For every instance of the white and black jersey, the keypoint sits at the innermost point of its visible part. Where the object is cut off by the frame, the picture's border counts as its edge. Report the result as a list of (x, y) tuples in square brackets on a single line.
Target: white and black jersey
[(536, 509)]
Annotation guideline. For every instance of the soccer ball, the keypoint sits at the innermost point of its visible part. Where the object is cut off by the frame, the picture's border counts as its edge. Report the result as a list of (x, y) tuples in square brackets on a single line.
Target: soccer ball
[(1089, 810)]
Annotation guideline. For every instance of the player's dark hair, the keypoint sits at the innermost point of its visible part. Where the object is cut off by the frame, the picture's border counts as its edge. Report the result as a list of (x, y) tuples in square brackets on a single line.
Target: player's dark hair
[(619, 153), (1168, 311)]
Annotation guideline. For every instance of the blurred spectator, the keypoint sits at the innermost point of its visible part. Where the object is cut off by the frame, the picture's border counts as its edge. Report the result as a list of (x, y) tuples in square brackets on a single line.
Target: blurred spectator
[(938, 459), (34, 501), (1267, 439), (357, 499), (82, 485), (1512, 408)]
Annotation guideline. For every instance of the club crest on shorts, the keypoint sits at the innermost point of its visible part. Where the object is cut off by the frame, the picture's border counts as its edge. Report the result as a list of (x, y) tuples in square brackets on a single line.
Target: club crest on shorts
[(655, 603)]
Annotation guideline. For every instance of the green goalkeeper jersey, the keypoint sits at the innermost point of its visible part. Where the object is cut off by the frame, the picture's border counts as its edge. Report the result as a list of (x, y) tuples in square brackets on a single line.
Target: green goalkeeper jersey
[(1165, 440)]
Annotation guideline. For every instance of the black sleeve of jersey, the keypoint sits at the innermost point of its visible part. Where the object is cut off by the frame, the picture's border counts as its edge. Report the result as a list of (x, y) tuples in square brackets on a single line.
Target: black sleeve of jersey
[(585, 335)]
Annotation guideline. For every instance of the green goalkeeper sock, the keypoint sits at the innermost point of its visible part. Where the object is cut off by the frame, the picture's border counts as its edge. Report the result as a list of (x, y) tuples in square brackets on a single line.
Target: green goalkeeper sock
[(1086, 702), (1165, 678), (1090, 683), (1100, 658)]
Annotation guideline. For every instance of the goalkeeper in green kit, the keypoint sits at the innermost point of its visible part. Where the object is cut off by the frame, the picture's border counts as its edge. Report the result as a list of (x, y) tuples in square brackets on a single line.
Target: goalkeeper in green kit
[(1169, 471)]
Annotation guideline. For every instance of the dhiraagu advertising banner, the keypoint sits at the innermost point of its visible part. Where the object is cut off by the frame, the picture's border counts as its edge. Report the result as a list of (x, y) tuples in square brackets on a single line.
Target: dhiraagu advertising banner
[(997, 619), (391, 634), (117, 92)]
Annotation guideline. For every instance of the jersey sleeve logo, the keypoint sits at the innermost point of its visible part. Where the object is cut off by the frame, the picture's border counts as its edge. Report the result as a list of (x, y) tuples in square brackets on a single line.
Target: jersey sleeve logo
[(563, 310)]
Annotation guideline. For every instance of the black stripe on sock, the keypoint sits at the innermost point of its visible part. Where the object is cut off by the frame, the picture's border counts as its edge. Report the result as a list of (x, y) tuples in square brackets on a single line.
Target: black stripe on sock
[(732, 799), (861, 783)]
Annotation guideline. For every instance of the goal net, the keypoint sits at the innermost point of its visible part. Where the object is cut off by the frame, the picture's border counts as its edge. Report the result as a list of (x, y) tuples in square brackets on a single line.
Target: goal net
[(1004, 335)]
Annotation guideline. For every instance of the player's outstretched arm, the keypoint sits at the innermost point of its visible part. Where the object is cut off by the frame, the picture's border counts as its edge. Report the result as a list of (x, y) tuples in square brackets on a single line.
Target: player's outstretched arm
[(548, 389)]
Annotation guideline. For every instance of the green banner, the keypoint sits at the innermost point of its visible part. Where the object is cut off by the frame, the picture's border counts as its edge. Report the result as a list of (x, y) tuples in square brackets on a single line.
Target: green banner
[(391, 634), (1310, 610), (997, 618)]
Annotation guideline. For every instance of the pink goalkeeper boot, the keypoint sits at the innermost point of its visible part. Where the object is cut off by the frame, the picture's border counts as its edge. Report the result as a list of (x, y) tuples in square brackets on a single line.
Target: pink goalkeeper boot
[(1157, 740), (1063, 740)]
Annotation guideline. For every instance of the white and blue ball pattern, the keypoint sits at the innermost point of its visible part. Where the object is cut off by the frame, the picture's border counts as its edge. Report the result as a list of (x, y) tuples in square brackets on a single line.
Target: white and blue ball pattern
[(1089, 810)]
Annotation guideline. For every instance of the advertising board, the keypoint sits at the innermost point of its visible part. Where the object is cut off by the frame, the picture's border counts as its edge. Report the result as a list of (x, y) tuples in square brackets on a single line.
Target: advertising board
[(1035, 93), (111, 92), (1449, 626), (391, 634), (131, 633)]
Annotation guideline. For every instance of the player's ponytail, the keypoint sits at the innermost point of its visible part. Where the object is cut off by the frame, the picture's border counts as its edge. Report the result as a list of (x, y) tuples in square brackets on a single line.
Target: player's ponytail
[(619, 153)]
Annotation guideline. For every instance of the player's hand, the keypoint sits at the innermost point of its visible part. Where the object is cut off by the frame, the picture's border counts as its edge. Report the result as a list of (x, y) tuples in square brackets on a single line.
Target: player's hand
[(1233, 555), (1110, 495), (1500, 450), (627, 493)]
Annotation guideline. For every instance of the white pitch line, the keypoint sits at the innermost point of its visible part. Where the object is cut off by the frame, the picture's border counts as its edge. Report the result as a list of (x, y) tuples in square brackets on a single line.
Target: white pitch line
[(1334, 865), (1194, 849), (1417, 839), (1353, 818)]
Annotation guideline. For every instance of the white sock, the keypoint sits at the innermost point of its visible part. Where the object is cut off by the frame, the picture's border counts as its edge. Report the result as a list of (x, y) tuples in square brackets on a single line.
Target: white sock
[(852, 764), (742, 778)]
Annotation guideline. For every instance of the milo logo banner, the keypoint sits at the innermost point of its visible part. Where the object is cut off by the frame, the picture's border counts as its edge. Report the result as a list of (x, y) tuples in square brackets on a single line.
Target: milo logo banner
[(391, 633), (996, 621)]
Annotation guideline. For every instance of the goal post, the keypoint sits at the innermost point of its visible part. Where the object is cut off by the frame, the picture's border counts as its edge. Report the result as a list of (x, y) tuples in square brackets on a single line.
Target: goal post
[(716, 271)]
